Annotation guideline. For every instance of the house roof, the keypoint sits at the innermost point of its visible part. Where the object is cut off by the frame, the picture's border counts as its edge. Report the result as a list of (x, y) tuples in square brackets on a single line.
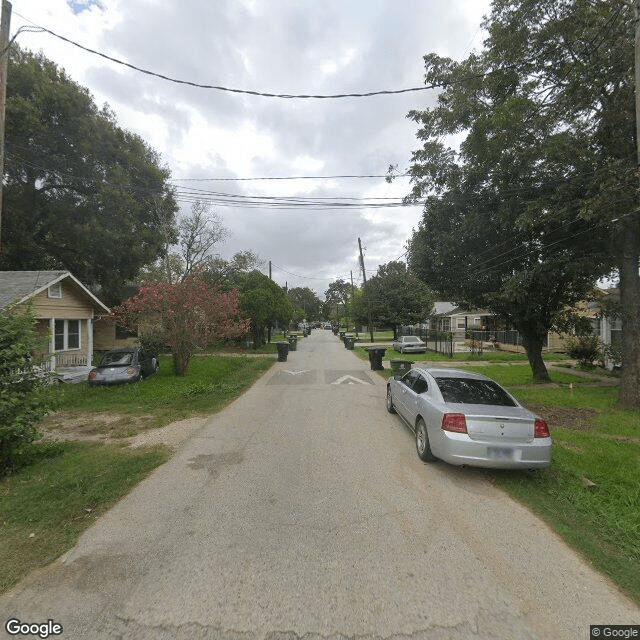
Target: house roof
[(452, 309), (17, 287)]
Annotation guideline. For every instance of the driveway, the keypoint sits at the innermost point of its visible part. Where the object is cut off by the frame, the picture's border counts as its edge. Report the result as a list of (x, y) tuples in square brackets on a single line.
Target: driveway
[(303, 510)]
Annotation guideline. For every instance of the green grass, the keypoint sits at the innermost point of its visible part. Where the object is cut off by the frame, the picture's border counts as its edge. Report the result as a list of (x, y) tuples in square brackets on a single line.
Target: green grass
[(520, 374), (46, 505), (211, 382)]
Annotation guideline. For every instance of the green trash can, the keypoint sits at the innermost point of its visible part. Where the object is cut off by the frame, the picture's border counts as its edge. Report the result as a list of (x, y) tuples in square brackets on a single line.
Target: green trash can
[(400, 367), (293, 343), (349, 342)]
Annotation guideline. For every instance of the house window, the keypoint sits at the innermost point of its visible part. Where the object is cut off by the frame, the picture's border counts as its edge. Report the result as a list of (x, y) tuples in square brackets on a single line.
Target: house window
[(67, 335), (55, 290)]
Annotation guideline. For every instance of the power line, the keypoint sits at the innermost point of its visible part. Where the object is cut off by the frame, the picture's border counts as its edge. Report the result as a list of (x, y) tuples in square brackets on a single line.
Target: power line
[(336, 177), (36, 28)]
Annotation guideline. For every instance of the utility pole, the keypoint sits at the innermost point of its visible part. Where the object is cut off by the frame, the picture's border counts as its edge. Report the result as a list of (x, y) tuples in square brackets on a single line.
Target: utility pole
[(364, 277), (353, 296), (4, 60), (270, 278), (636, 11)]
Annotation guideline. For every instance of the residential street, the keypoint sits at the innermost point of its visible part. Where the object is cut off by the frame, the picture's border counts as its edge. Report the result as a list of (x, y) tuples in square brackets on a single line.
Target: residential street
[(302, 510)]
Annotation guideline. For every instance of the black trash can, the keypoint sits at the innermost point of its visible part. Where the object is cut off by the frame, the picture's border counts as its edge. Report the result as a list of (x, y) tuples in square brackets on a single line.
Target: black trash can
[(400, 367), (283, 351), (293, 343), (375, 358), (349, 342)]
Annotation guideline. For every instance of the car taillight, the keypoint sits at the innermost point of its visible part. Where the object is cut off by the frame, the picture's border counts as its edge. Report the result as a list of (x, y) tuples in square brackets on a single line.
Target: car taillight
[(541, 430), (131, 371), (454, 422), (92, 374)]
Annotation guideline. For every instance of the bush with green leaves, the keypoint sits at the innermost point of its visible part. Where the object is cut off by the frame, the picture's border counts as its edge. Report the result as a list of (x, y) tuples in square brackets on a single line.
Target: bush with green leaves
[(585, 349), (25, 396)]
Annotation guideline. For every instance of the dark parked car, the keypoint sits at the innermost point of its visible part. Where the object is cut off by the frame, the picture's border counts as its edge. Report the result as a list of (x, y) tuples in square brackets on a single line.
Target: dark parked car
[(465, 418), (123, 365)]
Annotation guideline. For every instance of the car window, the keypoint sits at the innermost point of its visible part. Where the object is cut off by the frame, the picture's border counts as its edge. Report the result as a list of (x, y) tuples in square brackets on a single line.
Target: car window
[(470, 391), (411, 339), (420, 385), (409, 378), (415, 382), (117, 358)]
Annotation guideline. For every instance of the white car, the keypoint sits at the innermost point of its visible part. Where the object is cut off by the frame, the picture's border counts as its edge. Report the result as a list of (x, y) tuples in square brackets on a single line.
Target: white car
[(409, 344), (465, 418)]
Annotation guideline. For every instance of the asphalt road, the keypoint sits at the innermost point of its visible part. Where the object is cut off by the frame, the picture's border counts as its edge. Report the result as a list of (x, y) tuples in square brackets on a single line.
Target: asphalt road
[(302, 510)]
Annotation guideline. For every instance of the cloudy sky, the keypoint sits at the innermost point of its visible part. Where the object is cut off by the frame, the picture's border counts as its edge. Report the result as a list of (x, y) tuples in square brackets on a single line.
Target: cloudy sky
[(216, 143)]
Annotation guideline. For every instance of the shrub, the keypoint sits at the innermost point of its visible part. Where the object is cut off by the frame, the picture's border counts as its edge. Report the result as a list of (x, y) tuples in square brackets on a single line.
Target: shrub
[(25, 396), (585, 349)]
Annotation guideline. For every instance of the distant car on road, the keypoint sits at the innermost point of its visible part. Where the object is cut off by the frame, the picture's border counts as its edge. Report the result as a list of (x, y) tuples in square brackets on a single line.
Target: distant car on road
[(465, 418), (409, 344), (120, 366)]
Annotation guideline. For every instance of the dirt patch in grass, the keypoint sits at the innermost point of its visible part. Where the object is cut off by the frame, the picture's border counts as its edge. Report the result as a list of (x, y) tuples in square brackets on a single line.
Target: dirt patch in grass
[(63, 425), (137, 431), (580, 419)]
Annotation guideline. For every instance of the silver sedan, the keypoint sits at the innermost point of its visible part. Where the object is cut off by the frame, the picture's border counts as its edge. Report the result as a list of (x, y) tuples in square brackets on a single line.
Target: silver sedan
[(409, 344), (465, 418)]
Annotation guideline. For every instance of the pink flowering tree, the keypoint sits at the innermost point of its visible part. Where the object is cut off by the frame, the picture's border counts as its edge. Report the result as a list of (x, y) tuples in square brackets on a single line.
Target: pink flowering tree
[(186, 316)]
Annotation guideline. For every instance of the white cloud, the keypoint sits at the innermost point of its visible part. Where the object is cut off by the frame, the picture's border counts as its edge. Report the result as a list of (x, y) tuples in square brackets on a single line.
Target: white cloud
[(285, 46)]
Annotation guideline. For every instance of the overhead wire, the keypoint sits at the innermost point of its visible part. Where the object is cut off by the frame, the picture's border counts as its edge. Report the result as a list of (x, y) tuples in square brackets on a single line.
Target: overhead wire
[(264, 94)]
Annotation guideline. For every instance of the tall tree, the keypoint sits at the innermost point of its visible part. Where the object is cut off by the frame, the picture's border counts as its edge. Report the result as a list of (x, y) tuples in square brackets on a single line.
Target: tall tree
[(337, 295), (396, 297), (306, 303), (80, 193), (579, 55), (510, 221), (265, 303)]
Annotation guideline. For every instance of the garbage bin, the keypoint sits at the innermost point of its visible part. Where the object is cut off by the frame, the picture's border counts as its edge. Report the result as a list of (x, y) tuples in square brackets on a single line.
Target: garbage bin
[(349, 342), (400, 367), (375, 357), (293, 343), (342, 334), (283, 351)]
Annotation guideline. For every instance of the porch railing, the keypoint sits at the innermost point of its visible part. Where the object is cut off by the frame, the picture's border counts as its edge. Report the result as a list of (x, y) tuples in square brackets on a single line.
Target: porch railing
[(58, 360)]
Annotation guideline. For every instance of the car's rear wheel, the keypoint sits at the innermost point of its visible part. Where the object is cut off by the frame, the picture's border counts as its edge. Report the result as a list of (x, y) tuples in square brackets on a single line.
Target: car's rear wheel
[(422, 442), (390, 407)]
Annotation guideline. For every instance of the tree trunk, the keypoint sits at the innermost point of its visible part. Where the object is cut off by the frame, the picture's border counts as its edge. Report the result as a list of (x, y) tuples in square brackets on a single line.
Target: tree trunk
[(181, 359), (533, 346), (629, 393)]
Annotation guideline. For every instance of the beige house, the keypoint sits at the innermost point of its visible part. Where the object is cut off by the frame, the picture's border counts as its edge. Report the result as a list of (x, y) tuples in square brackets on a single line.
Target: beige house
[(67, 312)]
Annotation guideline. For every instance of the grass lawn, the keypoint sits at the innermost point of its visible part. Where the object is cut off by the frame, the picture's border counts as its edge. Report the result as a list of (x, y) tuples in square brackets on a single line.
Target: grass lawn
[(46, 505), (211, 383)]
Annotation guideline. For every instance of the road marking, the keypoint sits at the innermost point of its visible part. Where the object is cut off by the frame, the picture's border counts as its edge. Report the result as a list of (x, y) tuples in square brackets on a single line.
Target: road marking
[(349, 380), (297, 372)]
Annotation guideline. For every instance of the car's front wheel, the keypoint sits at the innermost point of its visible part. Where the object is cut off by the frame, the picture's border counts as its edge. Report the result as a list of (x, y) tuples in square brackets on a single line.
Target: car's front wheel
[(422, 442), (390, 407)]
